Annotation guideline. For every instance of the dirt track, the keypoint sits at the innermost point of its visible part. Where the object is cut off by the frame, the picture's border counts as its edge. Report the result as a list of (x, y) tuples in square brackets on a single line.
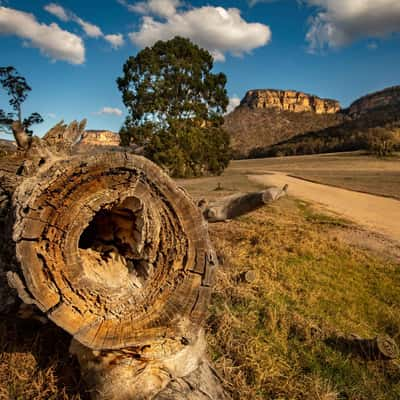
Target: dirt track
[(378, 214)]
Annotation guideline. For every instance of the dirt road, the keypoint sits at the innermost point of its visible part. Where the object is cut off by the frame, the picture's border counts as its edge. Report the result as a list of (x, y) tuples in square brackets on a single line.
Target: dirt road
[(376, 213)]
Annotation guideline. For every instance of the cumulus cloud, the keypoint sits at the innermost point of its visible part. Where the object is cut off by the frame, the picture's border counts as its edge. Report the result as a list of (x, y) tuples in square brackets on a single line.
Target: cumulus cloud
[(109, 111), (340, 22), (162, 8), (233, 103), (52, 41), (65, 15), (116, 40), (217, 29), (58, 11), (91, 30)]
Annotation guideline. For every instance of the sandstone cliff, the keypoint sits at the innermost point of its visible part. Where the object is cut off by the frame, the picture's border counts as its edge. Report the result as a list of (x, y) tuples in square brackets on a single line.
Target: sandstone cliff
[(99, 138), (7, 146), (267, 117), (289, 100), (387, 97), (370, 115)]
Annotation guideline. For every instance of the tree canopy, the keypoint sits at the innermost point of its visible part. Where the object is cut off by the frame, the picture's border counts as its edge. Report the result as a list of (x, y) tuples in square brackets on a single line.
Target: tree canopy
[(17, 89), (176, 107)]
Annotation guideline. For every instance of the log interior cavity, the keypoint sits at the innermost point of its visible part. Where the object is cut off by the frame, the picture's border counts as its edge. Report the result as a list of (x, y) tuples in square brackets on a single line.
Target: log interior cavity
[(113, 245)]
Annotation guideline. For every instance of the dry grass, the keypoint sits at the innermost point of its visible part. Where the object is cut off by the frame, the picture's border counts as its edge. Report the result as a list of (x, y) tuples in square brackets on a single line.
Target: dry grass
[(268, 339), (353, 171), (34, 363)]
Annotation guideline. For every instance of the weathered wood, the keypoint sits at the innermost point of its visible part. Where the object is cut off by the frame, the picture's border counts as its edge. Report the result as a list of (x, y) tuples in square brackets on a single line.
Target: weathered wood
[(381, 347), (246, 277), (112, 251), (239, 204), (172, 370), (21, 137)]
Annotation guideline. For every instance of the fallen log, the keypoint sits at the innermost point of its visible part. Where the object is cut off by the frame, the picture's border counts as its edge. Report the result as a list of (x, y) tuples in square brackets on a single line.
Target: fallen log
[(246, 277), (239, 204), (381, 347), (111, 250)]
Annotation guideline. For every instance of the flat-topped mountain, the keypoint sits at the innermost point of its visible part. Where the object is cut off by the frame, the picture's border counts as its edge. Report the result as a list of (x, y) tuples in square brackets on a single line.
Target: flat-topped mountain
[(269, 122), (7, 146), (359, 126), (289, 100), (266, 117), (99, 138)]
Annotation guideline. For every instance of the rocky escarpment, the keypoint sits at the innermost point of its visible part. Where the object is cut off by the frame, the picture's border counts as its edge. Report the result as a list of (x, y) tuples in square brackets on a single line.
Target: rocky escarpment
[(267, 117), (384, 98), (99, 138), (7, 146), (289, 100)]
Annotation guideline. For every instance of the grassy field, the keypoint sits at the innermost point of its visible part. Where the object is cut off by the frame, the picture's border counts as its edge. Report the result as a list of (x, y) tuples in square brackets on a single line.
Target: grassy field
[(276, 338), (279, 337), (348, 170)]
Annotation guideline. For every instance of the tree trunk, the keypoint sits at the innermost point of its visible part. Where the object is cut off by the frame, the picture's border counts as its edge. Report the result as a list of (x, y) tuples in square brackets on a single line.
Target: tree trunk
[(112, 251), (21, 137)]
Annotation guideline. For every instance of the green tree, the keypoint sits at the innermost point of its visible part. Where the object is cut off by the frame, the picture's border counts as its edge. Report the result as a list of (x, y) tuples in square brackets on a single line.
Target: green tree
[(17, 89), (176, 107)]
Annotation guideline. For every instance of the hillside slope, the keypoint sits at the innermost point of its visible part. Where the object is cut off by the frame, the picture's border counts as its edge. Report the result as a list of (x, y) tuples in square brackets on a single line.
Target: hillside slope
[(265, 125), (352, 134), (258, 128)]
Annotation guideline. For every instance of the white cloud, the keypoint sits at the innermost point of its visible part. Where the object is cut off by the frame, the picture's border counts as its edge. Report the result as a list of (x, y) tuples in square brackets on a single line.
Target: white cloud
[(217, 29), (116, 40), (58, 11), (340, 22), (109, 111), (51, 115), (162, 8), (91, 30), (52, 41), (233, 103)]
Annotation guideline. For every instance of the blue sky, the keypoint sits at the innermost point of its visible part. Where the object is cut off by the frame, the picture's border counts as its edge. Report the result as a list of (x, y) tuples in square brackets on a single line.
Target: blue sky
[(72, 51)]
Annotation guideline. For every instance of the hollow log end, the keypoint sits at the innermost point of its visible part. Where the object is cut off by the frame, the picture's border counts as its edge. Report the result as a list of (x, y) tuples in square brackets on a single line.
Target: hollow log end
[(387, 347), (112, 250)]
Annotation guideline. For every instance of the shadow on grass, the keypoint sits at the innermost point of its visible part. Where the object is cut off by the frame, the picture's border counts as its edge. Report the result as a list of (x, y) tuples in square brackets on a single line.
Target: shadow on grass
[(35, 362)]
